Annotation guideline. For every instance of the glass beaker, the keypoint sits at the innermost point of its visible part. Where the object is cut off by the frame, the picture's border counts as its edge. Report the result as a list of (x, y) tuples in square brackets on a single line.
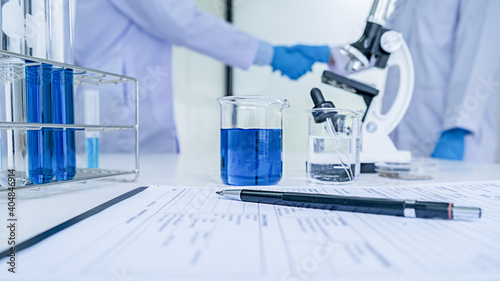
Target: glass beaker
[(334, 145), (251, 140)]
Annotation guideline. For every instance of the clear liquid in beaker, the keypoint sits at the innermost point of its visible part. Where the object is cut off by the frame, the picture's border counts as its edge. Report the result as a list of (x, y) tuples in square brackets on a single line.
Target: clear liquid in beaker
[(251, 156), (333, 159)]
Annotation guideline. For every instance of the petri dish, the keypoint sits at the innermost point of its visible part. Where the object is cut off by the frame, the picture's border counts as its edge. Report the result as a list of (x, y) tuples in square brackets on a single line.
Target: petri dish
[(415, 170)]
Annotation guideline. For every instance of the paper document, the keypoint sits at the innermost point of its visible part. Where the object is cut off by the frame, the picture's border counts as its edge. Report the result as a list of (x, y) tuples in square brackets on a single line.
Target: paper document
[(171, 233)]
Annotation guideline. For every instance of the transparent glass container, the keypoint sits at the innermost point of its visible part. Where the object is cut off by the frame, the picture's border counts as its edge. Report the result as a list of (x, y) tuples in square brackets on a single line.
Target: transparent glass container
[(13, 143), (334, 145), (251, 140)]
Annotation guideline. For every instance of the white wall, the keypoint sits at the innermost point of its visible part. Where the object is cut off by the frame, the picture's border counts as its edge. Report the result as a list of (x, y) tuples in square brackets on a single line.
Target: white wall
[(199, 80)]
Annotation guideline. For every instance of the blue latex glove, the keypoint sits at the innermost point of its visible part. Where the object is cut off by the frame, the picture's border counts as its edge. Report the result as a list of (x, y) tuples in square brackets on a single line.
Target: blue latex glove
[(298, 60), (316, 53), (451, 145)]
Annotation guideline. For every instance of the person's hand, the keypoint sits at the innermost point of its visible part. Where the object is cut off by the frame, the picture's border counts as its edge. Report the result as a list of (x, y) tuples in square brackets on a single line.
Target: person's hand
[(298, 60), (451, 145), (316, 53)]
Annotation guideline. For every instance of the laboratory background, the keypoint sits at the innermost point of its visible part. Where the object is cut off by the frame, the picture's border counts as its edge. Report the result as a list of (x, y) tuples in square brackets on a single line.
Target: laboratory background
[(200, 80), (258, 173)]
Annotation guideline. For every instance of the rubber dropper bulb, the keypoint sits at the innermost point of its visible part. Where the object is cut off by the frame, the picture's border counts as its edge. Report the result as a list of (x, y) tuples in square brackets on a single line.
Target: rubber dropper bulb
[(319, 100), (317, 96)]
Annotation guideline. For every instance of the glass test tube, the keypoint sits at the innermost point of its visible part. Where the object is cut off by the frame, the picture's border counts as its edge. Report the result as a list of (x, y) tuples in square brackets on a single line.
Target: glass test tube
[(39, 110), (65, 157), (92, 117), (12, 95), (13, 109)]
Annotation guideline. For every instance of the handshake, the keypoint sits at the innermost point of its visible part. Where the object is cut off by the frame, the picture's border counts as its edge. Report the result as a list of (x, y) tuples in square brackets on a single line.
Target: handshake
[(296, 61)]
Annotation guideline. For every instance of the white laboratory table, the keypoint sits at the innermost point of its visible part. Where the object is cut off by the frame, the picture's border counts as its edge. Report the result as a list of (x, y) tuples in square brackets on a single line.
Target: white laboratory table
[(42, 208)]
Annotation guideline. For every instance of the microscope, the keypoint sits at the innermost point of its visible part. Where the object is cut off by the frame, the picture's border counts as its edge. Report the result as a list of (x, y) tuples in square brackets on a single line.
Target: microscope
[(381, 48)]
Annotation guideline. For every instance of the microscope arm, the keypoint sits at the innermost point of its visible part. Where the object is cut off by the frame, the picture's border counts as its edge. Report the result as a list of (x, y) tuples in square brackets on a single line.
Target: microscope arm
[(386, 123), (376, 144)]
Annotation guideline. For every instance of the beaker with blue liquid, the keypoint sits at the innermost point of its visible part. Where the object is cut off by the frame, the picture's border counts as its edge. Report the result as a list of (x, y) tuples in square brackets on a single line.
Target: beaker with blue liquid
[(251, 140)]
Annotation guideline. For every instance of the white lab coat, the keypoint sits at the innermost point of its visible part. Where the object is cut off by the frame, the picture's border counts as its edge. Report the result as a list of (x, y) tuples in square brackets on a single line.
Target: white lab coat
[(454, 46), (135, 38)]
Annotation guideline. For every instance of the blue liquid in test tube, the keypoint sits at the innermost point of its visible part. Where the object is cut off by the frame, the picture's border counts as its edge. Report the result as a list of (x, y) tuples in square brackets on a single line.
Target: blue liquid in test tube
[(65, 157), (39, 110), (92, 149)]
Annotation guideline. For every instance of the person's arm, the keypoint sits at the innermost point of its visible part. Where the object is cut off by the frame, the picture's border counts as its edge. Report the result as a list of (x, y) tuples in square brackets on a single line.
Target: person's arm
[(475, 63), (182, 23)]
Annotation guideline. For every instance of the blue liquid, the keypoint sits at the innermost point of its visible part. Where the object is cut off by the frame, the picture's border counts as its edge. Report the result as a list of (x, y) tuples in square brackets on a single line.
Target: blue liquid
[(92, 149), (39, 110), (65, 157), (251, 156)]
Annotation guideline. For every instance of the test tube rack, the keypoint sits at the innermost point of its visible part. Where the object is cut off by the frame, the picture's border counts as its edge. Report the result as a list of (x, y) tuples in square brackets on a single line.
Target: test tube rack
[(12, 64)]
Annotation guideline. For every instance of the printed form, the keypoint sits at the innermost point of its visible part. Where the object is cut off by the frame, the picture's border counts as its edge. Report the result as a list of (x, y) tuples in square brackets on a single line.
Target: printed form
[(174, 233)]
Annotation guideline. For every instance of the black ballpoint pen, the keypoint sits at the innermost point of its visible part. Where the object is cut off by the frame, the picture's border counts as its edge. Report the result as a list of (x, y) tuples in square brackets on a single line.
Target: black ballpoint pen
[(380, 206)]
